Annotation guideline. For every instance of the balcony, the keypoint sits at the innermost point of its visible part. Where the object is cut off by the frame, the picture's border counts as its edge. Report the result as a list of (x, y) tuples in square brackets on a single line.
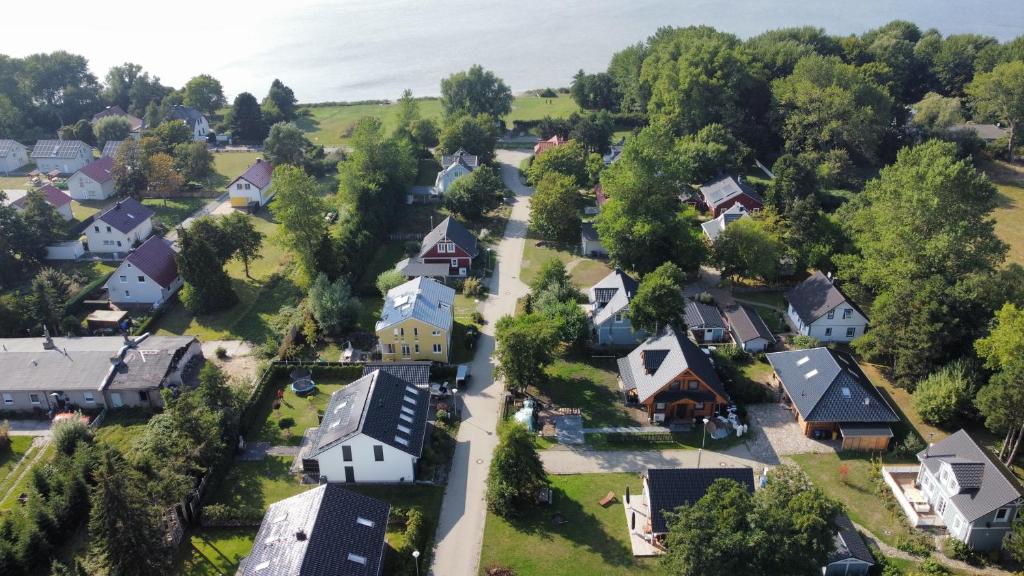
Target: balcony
[(902, 480)]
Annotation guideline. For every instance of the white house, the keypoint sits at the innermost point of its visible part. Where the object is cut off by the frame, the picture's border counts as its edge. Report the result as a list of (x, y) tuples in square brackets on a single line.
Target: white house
[(820, 310), (194, 119), (64, 156), (95, 181), (254, 188), (609, 303), (454, 167), (13, 155), (712, 228), (372, 431), (60, 201), (748, 328), (147, 277), (120, 227), (590, 242)]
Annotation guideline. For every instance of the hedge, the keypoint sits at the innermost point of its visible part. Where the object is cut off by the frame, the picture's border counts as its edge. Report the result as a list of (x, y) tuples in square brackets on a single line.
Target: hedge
[(74, 304), (220, 515)]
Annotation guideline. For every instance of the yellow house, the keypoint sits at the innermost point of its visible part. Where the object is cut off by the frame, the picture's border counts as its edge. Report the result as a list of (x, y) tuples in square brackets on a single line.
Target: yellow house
[(416, 322)]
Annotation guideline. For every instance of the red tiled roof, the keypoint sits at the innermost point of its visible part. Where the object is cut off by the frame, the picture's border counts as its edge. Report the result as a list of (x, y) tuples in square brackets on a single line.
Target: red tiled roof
[(155, 259), (54, 196), (258, 174), (101, 170), (601, 196)]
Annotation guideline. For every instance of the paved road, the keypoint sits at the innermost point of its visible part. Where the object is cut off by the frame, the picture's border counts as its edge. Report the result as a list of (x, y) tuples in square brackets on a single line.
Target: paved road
[(460, 530), (581, 461)]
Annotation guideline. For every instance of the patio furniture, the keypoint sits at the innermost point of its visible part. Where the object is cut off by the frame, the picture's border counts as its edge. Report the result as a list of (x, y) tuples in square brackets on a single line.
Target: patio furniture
[(608, 498)]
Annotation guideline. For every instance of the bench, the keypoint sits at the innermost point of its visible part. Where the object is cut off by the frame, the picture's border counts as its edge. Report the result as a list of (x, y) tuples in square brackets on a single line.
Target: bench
[(608, 498)]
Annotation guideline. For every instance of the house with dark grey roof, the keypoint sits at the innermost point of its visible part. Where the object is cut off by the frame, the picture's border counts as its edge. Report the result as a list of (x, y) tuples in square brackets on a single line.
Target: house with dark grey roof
[(454, 167), (416, 322), (673, 378), (446, 251), (712, 228), (590, 242), (192, 118), (95, 181), (254, 187), (961, 486), (748, 329), (120, 227), (830, 397), (326, 531), (372, 431), (147, 277), (63, 156), (609, 310), (820, 310), (723, 193), (13, 155), (850, 556), (415, 373), (704, 321)]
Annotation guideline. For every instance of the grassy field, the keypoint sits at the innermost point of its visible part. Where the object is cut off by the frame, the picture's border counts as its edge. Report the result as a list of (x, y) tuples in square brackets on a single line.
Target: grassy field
[(173, 211), (591, 540), (585, 272), (1009, 215), (121, 428), (14, 183), (215, 551), (11, 456), (590, 385)]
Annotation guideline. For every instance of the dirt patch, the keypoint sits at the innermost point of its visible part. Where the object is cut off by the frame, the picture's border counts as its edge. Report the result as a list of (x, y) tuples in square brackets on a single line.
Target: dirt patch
[(240, 364)]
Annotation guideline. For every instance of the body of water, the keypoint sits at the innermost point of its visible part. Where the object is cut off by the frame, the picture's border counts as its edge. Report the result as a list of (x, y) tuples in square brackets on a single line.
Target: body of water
[(370, 49)]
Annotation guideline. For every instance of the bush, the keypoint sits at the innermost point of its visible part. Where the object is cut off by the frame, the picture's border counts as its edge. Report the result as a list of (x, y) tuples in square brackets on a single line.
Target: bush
[(916, 544), (442, 415), (959, 550), (221, 515), (67, 433), (286, 422), (910, 446), (477, 317), (548, 93), (945, 394), (70, 326), (472, 287), (416, 530), (705, 298), (389, 279), (5, 435), (221, 352), (802, 342), (932, 567)]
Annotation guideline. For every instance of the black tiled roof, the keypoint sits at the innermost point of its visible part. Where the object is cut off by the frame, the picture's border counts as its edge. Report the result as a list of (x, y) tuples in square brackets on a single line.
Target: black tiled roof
[(126, 215), (848, 543), (814, 297), (675, 487), (700, 316), (415, 373)]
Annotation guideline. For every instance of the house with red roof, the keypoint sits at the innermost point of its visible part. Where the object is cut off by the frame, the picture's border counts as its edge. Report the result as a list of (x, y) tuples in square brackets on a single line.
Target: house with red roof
[(147, 277), (95, 181), (553, 142), (254, 188), (60, 201)]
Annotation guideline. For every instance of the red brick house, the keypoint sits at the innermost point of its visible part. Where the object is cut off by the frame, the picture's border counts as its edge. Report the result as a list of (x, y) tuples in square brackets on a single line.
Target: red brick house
[(725, 192), (447, 251)]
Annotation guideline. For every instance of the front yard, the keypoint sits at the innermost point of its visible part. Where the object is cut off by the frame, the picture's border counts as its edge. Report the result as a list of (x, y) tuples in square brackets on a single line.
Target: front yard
[(173, 211), (590, 384)]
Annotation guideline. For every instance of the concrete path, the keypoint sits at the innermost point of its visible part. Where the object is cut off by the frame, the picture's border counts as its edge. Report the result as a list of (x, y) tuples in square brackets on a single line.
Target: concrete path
[(460, 530), (217, 206), (30, 427), (581, 461)]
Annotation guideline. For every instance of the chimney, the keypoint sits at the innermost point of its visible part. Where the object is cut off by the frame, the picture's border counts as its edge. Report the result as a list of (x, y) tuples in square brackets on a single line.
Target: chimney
[(300, 535), (47, 339)]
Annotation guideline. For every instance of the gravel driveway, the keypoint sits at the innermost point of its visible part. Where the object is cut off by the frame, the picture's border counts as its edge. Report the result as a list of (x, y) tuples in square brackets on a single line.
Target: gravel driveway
[(777, 434)]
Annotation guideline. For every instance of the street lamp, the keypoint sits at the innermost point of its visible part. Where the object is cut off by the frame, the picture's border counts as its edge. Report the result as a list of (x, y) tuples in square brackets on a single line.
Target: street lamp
[(416, 557), (455, 401), (703, 437)]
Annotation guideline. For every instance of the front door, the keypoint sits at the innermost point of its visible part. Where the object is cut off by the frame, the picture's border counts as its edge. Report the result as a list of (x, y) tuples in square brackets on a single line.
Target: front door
[(350, 474), (684, 411), (115, 399)]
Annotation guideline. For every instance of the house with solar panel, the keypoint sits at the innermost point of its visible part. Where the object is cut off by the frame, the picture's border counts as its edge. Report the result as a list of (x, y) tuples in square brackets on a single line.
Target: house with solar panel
[(13, 155), (416, 322), (62, 156), (120, 228), (372, 431), (326, 531), (254, 187), (723, 193), (609, 310), (831, 398)]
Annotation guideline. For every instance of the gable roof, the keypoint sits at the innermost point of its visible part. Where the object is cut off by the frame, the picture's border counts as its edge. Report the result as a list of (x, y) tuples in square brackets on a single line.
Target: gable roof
[(61, 149), (670, 488), (115, 111), (827, 387), (459, 157), (454, 231), (712, 228), (126, 215), (186, 114), (814, 297), (54, 197), (720, 190), (99, 171), (8, 146), (747, 324), (701, 316), (110, 148), (614, 291), (379, 405), (662, 358), (156, 259), (259, 174), (421, 298), (326, 531), (588, 231), (848, 543), (415, 373), (991, 485)]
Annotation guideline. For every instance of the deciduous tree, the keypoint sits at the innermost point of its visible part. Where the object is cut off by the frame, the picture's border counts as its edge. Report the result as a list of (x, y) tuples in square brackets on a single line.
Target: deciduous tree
[(525, 345), (569, 159), (516, 474), (333, 305), (111, 128), (999, 94), (748, 249), (244, 238), (1001, 401), (659, 300), (299, 210), (245, 120), (554, 208), (204, 93), (475, 91), (475, 134), (476, 193)]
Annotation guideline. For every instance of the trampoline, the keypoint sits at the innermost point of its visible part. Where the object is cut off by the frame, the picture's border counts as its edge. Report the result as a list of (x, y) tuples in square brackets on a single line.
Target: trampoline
[(302, 382)]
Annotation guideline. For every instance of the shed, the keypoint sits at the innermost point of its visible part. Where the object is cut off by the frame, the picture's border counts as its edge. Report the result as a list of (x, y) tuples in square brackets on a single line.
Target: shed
[(105, 320), (850, 556)]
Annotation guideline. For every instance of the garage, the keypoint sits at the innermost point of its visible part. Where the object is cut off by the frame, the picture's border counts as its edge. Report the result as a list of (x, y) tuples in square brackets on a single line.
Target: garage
[(865, 437)]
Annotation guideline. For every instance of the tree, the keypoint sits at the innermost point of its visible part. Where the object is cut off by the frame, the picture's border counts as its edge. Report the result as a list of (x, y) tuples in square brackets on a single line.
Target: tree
[(333, 305), (659, 300), (408, 113), (111, 128), (1013, 542), (475, 134), (595, 91), (299, 209), (129, 168), (424, 133), (286, 144), (476, 193), (553, 209), (795, 179), (713, 150), (1001, 401), (204, 93), (201, 265), (243, 237), (194, 161), (935, 113), (389, 279), (748, 249), (475, 91), (999, 94), (569, 159), (42, 222), (60, 86), (525, 345), (17, 248), (945, 394), (516, 474), (711, 537), (245, 120), (552, 272), (594, 131), (279, 105), (162, 176), (171, 134)]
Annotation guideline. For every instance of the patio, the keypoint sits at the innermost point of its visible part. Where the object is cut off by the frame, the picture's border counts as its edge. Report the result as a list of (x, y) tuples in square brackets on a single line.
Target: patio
[(902, 480), (636, 507)]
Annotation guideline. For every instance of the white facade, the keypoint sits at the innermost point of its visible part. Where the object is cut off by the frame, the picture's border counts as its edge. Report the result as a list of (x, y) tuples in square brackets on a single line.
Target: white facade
[(69, 250), (394, 465), (15, 158), (446, 177), (129, 285), (82, 187), (103, 237), (243, 192), (201, 129), (840, 324), (65, 165)]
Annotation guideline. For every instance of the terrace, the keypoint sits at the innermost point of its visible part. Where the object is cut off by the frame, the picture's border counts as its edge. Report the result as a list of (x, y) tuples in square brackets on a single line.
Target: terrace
[(638, 523), (903, 482)]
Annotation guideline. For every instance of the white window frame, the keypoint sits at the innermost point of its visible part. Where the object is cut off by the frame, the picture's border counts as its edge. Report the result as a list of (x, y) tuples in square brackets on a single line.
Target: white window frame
[(142, 279), (416, 348), (618, 317), (437, 348), (89, 398), (123, 278), (831, 314), (435, 333), (8, 399), (847, 313), (390, 348), (1006, 515), (851, 331), (405, 350), (659, 406), (455, 262), (34, 399)]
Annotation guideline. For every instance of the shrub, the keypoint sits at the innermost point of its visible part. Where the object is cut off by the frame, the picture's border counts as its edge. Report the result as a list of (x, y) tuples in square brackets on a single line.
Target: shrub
[(221, 515), (68, 432), (916, 544), (477, 317), (442, 415), (548, 93), (802, 342), (286, 422), (5, 435), (932, 567), (221, 352), (70, 326), (910, 446), (416, 530), (389, 279), (945, 394), (705, 298), (472, 287), (959, 550)]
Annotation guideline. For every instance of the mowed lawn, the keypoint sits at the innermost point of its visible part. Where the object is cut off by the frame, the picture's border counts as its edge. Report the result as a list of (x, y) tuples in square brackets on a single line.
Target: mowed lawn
[(230, 165), (1009, 214), (575, 536), (585, 272), (10, 457), (173, 211), (589, 384), (297, 413)]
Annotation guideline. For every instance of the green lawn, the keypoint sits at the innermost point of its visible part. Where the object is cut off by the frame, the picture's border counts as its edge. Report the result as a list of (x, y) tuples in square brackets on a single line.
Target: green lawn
[(589, 384), (215, 551), (585, 272), (14, 183), (84, 209), (22, 485), (303, 412), (122, 428), (230, 165), (11, 456), (775, 299), (772, 319), (258, 484), (1009, 214), (173, 211), (592, 540)]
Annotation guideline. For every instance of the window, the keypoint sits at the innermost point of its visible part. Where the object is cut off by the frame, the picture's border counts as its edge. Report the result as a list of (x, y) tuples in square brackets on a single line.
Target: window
[(828, 331), (346, 453), (941, 508), (442, 247), (435, 333), (89, 399), (248, 186), (692, 385), (1003, 514), (659, 406), (142, 279), (378, 453), (123, 278), (118, 243), (108, 229), (8, 399), (618, 317), (96, 228), (401, 332), (831, 314), (957, 524), (698, 406), (437, 348), (405, 350), (455, 262), (415, 332), (847, 313), (143, 396), (851, 332), (238, 186), (451, 247), (416, 348), (675, 386), (34, 398), (127, 294), (389, 348)]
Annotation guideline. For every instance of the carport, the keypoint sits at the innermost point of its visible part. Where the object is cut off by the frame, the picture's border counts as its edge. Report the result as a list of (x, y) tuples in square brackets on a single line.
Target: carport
[(865, 437)]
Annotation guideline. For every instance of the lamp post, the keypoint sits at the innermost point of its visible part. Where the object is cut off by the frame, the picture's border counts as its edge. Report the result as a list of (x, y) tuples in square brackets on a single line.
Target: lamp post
[(416, 557), (455, 401), (703, 437)]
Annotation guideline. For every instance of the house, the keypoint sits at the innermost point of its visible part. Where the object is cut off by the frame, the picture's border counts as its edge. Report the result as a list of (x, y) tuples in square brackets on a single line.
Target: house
[(55, 197), (666, 489), (959, 485), (326, 531), (721, 194), (194, 119), (416, 322), (672, 378), (372, 431), (609, 307), (61, 374), (136, 123), (748, 328), (986, 132), (95, 181), (820, 310), (831, 397), (120, 227), (110, 148), (61, 156), (614, 152), (553, 142), (850, 556), (712, 228), (600, 197), (453, 167), (590, 242), (415, 373), (147, 277), (254, 187), (704, 322), (446, 251), (13, 156)]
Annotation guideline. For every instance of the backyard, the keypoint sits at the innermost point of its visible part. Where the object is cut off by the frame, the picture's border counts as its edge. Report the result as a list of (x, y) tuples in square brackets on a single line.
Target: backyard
[(1009, 214), (230, 165), (173, 211), (11, 461), (287, 424), (590, 384), (585, 272), (574, 536), (121, 428)]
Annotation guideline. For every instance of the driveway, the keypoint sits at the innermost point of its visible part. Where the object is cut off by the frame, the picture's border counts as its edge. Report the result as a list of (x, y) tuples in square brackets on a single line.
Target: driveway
[(581, 461), (777, 434), (460, 529), (29, 427)]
